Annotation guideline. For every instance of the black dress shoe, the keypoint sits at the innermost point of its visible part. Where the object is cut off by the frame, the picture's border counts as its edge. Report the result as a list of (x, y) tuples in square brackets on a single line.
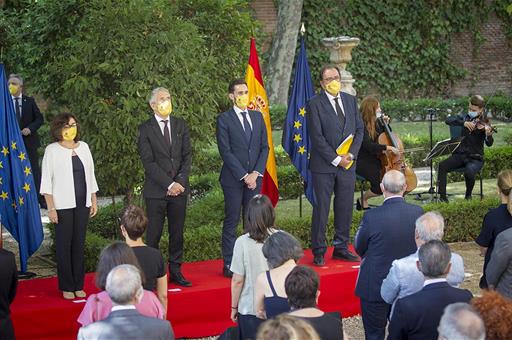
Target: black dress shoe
[(318, 260), (443, 199), (180, 280), (226, 272), (345, 255), (359, 206), (468, 197)]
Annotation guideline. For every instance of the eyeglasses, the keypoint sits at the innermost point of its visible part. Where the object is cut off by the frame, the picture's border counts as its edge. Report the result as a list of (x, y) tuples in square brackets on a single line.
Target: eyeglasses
[(67, 126), (331, 79)]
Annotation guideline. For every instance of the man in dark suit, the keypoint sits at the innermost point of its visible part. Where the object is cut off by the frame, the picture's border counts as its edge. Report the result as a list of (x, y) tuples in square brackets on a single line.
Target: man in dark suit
[(243, 146), (165, 151), (331, 117), (386, 233), (30, 120), (124, 287), (8, 283), (417, 316)]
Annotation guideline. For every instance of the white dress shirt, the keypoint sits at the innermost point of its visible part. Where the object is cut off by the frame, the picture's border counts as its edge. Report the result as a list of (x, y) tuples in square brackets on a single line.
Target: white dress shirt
[(331, 98), (125, 307), (20, 101), (238, 112), (161, 124)]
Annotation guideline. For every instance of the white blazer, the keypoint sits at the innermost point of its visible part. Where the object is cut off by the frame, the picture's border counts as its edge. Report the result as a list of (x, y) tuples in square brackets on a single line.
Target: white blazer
[(57, 174)]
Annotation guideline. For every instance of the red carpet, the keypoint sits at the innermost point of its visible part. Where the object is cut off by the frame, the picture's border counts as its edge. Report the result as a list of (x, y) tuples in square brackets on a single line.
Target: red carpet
[(39, 311)]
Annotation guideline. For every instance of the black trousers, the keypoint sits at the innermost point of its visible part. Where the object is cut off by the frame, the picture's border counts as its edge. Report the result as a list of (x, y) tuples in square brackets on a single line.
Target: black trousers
[(70, 243), (174, 208), (375, 317), (33, 157), (6, 329), (342, 184), (235, 202), (455, 161), (248, 326)]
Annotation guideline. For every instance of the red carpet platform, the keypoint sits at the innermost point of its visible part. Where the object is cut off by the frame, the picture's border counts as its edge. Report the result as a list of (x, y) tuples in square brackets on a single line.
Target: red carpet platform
[(39, 311)]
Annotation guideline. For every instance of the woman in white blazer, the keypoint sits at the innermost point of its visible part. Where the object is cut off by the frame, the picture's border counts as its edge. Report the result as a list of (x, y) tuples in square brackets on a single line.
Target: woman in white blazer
[(69, 188)]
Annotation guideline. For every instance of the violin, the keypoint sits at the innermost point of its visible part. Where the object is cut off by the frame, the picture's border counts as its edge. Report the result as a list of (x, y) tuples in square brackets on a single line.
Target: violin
[(481, 124)]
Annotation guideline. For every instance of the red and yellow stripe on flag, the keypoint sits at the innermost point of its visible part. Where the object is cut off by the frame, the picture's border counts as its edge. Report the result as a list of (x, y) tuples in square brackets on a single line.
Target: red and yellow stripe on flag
[(258, 101)]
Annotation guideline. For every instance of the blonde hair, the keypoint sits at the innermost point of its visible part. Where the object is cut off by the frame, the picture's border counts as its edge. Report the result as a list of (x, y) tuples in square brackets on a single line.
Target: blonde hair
[(286, 327), (505, 186), (368, 108)]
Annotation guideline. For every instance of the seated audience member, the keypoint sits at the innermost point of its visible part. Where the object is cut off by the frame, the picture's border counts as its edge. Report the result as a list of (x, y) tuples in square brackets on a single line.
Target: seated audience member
[(282, 252), (248, 262), (404, 278), (124, 287), (417, 316), (98, 306), (461, 321), (496, 311), (133, 226), (8, 283), (301, 287), (499, 268), (496, 220), (286, 327)]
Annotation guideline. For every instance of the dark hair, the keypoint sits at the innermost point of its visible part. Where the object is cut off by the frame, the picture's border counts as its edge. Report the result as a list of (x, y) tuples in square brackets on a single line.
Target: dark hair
[(235, 82), (58, 124), (259, 218), (434, 257), (477, 100), (281, 247), (328, 67), (301, 286), (134, 221), (112, 256)]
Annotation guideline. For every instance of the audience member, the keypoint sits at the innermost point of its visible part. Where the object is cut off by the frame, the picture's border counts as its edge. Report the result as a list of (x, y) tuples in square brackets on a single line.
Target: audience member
[(248, 262), (133, 226), (386, 233), (499, 269), (302, 288), (282, 252), (98, 306), (286, 327), (496, 220), (460, 321), (124, 287), (496, 311), (417, 316), (8, 283), (404, 278)]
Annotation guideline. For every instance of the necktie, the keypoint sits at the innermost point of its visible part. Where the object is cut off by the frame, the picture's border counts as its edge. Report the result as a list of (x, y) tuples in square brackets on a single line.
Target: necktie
[(339, 111), (18, 112), (167, 134), (247, 127)]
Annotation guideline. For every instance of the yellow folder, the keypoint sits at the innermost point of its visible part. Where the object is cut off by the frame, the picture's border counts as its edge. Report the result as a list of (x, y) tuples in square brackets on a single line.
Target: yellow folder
[(344, 147)]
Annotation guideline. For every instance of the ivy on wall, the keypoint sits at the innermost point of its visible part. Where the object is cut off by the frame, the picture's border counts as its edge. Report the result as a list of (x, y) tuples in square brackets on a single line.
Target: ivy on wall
[(405, 45)]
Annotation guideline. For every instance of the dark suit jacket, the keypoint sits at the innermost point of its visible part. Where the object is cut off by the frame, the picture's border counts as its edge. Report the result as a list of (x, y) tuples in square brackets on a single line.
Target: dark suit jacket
[(8, 283), (417, 316), (127, 324), (386, 233), (164, 165), (31, 118), (240, 157), (326, 131)]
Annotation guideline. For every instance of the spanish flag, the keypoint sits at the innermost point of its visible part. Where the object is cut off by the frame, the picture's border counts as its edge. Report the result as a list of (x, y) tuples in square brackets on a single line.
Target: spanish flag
[(258, 101)]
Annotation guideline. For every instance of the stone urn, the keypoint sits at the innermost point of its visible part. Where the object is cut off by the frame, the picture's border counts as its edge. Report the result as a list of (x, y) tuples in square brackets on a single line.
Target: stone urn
[(341, 49)]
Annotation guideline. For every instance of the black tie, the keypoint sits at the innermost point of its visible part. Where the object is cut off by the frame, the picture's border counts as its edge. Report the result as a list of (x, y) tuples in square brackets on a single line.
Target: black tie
[(18, 112), (167, 135), (247, 127), (339, 111)]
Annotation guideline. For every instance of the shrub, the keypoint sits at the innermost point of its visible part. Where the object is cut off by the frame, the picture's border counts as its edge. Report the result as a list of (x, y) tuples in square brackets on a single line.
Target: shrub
[(278, 115), (290, 182), (208, 210)]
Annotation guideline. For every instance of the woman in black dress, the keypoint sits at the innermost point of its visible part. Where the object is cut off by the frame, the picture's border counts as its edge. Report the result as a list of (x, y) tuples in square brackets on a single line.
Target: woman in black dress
[(368, 161)]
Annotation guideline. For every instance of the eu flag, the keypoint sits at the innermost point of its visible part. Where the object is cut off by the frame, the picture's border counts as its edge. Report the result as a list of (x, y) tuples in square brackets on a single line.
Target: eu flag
[(295, 132), (19, 207)]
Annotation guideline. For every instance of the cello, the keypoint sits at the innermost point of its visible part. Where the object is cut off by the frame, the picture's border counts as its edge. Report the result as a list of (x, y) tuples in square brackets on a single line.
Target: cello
[(391, 161)]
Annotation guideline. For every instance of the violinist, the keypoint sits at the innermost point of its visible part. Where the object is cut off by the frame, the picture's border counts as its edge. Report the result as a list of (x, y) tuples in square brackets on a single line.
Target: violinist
[(368, 161), (470, 153)]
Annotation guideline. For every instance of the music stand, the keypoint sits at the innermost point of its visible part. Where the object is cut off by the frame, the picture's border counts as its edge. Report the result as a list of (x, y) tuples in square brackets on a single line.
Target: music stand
[(443, 147)]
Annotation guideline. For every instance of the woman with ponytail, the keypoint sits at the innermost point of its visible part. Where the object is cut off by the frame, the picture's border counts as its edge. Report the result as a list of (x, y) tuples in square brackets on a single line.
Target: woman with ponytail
[(496, 221)]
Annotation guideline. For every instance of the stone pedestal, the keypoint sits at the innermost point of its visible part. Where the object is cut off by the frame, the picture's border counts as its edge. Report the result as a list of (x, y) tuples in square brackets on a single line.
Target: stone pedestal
[(341, 49)]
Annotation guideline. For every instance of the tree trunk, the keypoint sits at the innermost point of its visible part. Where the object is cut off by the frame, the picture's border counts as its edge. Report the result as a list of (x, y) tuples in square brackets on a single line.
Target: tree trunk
[(282, 52)]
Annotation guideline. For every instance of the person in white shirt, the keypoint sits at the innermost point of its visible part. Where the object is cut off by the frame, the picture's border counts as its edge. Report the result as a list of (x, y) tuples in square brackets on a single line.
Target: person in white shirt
[(69, 186)]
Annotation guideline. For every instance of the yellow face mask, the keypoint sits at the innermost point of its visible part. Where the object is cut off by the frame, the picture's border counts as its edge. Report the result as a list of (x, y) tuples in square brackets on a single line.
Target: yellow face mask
[(242, 101), (69, 134), (165, 108), (13, 89), (333, 87)]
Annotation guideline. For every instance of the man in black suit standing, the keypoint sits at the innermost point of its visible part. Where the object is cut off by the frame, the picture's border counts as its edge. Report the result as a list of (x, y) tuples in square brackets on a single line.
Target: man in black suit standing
[(164, 149), (386, 233), (331, 117), (417, 316), (30, 120), (243, 146)]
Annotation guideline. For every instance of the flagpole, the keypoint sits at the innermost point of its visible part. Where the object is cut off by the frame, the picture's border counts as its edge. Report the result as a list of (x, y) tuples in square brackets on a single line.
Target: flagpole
[(1, 237), (302, 32)]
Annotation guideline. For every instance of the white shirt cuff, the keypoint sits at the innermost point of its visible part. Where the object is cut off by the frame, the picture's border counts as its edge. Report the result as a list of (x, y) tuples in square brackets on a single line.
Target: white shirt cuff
[(244, 177), (170, 186), (336, 161)]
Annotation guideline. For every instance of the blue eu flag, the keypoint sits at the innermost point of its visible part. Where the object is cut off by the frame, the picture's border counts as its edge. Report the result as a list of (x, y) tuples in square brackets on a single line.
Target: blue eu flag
[(19, 207), (295, 132)]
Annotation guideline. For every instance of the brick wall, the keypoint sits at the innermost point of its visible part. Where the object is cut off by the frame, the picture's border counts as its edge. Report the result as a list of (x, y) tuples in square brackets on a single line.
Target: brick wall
[(266, 12)]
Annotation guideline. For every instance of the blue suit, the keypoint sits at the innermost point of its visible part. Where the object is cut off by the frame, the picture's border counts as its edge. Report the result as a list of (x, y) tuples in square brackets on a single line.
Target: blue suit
[(386, 233), (239, 157)]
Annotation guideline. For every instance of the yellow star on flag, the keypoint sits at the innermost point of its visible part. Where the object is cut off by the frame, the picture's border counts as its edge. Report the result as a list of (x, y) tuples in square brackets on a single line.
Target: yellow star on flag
[(1, 165), (302, 149), (297, 138), (5, 151), (13, 145), (21, 201), (27, 171), (302, 111), (297, 124), (26, 187), (4, 195), (22, 156)]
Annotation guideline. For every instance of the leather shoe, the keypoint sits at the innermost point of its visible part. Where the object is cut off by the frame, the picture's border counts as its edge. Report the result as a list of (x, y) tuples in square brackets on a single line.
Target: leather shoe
[(180, 280), (345, 255), (318, 260), (226, 272), (443, 199)]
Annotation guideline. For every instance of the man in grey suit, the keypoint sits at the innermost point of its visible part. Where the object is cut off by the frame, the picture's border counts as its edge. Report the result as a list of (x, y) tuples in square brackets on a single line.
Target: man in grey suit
[(124, 322), (331, 117)]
